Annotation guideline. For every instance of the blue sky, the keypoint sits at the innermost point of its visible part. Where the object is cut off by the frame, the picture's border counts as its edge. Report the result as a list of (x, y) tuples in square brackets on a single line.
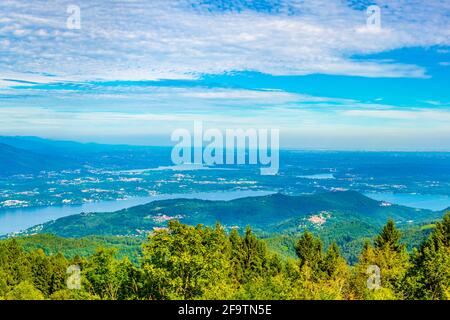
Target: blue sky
[(137, 70)]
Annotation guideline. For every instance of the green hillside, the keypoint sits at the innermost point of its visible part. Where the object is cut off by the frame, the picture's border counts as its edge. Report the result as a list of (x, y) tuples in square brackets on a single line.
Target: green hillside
[(186, 262), (283, 244), (20, 161), (354, 213), (83, 247), (347, 218)]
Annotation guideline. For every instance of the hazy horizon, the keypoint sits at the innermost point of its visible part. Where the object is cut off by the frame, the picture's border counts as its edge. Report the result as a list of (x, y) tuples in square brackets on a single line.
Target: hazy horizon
[(171, 144), (316, 70)]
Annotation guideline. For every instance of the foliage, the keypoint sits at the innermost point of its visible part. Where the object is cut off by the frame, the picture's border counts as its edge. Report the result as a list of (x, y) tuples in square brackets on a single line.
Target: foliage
[(201, 262)]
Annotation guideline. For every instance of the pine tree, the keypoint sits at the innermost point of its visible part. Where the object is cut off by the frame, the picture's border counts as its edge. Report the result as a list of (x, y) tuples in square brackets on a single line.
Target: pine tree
[(254, 255), (41, 268), (14, 262), (390, 258), (332, 260), (336, 281), (429, 278), (389, 238), (59, 273), (309, 251), (236, 256)]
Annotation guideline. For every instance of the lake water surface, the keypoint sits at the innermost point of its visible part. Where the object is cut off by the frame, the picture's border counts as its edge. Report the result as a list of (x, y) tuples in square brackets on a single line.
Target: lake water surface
[(423, 201), (13, 220)]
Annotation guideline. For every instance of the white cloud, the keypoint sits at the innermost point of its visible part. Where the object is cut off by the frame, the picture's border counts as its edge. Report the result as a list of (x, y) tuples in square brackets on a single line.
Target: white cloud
[(299, 128), (408, 114), (136, 40), (9, 79)]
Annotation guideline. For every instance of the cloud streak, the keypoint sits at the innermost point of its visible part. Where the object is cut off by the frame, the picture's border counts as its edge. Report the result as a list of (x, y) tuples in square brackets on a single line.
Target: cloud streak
[(110, 77), (180, 39)]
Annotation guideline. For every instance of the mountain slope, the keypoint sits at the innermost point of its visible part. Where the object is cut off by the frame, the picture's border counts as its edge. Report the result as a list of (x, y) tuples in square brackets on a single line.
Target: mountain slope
[(76, 154), (275, 213), (48, 146), (15, 160)]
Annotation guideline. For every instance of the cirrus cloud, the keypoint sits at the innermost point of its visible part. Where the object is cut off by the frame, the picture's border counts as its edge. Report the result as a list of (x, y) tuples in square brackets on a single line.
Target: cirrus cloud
[(182, 39)]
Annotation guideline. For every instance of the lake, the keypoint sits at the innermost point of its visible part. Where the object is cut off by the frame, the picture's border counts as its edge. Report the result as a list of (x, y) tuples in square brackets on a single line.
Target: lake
[(423, 201), (13, 220), (319, 176)]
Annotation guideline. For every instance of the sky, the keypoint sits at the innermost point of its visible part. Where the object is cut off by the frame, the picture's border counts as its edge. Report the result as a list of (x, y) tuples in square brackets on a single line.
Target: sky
[(316, 70)]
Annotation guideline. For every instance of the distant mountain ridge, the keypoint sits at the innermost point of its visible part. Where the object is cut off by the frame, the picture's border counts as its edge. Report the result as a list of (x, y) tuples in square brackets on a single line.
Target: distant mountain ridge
[(23, 155), (20, 161), (50, 146)]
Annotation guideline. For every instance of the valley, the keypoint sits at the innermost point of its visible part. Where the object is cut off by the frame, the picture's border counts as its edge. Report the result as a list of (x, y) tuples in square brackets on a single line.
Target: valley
[(345, 217), (131, 191)]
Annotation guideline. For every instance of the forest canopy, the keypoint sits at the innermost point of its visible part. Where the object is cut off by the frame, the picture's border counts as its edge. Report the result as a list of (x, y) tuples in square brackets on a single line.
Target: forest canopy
[(200, 262)]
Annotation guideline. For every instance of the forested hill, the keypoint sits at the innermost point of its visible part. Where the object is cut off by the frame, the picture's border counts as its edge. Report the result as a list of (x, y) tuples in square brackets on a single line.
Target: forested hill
[(20, 161), (25, 155), (342, 212), (215, 264)]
